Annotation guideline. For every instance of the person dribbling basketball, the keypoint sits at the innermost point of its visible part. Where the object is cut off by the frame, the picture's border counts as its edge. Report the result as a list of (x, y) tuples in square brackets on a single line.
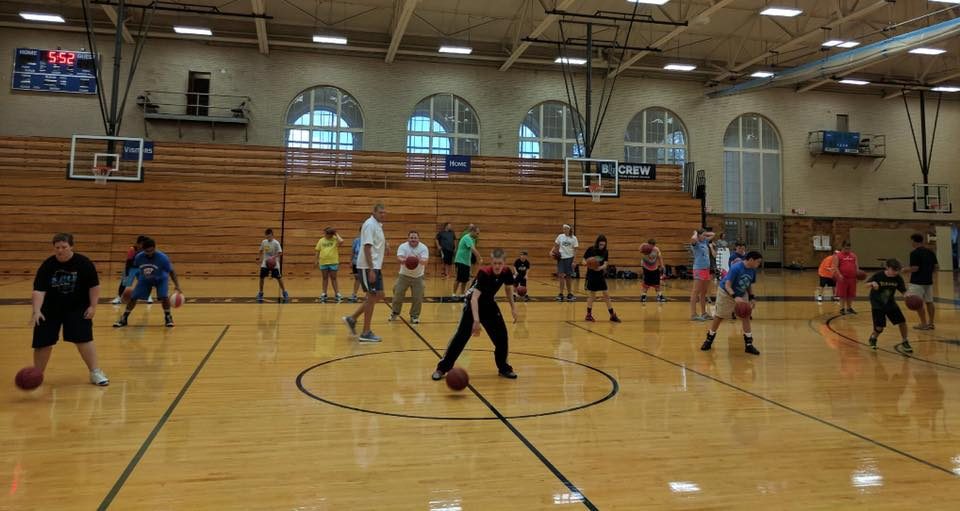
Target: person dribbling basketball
[(596, 279), (736, 287), (481, 309), (154, 270)]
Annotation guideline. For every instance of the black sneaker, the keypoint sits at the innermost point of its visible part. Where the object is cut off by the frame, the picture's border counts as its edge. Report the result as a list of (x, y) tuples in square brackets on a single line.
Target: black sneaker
[(643, 298), (559, 298), (661, 298), (708, 343), (750, 349), (509, 374), (905, 346), (570, 297), (873, 342), (437, 375), (122, 322), (851, 311), (168, 320)]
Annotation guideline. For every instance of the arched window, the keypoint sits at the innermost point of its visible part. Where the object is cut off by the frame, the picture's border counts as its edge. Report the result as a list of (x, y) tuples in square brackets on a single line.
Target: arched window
[(443, 124), (324, 118), (549, 131), (655, 135), (751, 166)]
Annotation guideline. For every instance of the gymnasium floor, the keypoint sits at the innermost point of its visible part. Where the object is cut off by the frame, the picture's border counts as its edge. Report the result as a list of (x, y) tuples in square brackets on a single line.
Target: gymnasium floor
[(272, 406)]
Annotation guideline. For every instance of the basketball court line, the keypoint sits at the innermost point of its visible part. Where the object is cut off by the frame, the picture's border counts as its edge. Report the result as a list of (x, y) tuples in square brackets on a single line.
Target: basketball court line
[(506, 422), (772, 402), (156, 429), (894, 351)]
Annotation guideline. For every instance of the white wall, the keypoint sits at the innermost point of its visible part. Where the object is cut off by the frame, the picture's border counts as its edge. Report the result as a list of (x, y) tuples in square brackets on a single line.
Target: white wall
[(388, 92)]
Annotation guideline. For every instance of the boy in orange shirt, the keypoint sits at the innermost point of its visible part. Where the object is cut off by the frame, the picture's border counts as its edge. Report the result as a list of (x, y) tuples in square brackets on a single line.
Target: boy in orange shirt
[(827, 277)]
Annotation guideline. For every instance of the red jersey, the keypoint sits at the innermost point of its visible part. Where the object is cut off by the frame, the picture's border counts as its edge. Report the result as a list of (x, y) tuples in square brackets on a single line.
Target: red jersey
[(847, 264)]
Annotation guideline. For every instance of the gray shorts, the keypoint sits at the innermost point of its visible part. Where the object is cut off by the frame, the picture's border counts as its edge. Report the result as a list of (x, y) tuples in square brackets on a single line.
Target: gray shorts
[(565, 266), (925, 292)]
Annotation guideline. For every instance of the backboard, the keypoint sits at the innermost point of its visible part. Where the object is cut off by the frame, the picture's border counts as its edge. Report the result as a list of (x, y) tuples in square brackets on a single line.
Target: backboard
[(101, 158), (931, 198), (580, 175)]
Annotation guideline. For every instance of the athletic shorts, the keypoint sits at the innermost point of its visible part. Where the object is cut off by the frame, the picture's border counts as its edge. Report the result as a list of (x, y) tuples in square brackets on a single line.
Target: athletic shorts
[(701, 274), (447, 256), (353, 269), (565, 266), (76, 329), (463, 273), (129, 275), (520, 280), (273, 272), (142, 291), (371, 287), (595, 281), (923, 291), (330, 267), (827, 282), (847, 287), (651, 278), (892, 311)]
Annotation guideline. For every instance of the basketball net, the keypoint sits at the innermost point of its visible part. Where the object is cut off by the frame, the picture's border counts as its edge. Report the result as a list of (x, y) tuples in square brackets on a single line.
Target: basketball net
[(596, 189), (101, 174)]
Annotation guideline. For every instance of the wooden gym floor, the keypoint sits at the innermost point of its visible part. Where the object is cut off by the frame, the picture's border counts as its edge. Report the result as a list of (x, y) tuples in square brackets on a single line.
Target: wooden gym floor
[(272, 406)]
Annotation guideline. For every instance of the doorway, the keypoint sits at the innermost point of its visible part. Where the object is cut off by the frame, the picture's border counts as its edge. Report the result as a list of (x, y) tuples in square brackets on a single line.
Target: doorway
[(763, 234)]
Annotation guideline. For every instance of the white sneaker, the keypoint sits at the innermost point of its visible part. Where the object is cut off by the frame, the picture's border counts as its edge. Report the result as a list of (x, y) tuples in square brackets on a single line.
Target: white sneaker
[(393, 317), (98, 378), (415, 320), (149, 299), (116, 301)]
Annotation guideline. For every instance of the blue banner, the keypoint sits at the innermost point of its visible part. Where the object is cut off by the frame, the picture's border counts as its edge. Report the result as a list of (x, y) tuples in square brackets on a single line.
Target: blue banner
[(457, 163), (131, 150)]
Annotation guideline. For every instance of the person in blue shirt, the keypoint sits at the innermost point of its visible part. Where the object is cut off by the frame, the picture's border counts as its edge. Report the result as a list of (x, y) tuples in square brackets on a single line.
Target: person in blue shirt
[(153, 271), (700, 245), (736, 286), (355, 252)]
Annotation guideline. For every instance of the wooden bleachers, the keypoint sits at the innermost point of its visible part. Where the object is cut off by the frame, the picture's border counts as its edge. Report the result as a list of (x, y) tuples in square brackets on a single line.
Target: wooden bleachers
[(207, 205)]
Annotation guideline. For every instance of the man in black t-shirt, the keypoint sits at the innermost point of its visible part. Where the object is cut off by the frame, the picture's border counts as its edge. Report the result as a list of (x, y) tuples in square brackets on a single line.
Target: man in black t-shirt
[(447, 247), (522, 268), (883, 304), (482, 309), (65, 294), (923, 262)]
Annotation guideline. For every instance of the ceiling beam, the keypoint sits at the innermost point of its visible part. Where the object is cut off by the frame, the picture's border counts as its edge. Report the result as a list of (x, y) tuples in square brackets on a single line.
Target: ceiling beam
[(262, 42), (403, 18), (702, 16), (797, 41), (539, 29), (112, 14), (825, 81), (935, 81)]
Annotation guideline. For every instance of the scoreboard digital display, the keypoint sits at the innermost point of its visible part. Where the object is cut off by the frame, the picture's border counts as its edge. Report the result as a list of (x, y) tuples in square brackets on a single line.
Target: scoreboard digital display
[(54, 71)]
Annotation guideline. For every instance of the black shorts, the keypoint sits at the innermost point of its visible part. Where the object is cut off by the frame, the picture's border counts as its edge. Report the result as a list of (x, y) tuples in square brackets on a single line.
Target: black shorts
[(521, 280), (651, 278), (447, 256), (76, 329), (463, 273), (827, 282), (353, 270), (273, 272), (892, 311), (371, 287), (596, 281)]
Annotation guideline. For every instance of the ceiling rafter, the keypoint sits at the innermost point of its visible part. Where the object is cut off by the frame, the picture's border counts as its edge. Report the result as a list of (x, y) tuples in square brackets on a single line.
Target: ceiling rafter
[(262, 43), (112, 14), (544, 24), (402, 20)]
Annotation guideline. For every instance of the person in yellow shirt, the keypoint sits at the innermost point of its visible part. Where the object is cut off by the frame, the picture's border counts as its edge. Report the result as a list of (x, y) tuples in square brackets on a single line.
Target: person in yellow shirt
[(328, 261)]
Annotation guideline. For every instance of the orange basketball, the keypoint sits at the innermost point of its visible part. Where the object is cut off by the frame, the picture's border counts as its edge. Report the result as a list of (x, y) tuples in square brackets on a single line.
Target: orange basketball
[(127, 295), (646, 249), (593, 263), (411, 262), (271, 262), (742, 309), (522, 290), (913, 302), (177, 299), (29, 378), (555, 254), (457, 379), (861, 275)]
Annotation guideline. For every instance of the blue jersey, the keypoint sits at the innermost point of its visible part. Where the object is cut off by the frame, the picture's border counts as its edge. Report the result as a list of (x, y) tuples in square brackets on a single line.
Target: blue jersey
[(152, 269), (701, 255), (735, 257), (740, 278), (356, 251)]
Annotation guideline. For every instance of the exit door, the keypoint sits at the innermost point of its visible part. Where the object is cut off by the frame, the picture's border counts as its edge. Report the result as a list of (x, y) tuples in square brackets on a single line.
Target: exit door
[(765, 235)]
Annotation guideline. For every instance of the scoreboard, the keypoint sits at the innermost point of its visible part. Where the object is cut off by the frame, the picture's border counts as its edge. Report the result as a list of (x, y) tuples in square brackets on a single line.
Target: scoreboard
[(54, 71)]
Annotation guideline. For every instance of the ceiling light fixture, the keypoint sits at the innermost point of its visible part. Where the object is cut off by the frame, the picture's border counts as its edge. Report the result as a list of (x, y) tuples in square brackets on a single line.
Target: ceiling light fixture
[(459, 50), (648, 2), (848, 44), (854, 82), (573, 61), (192, 31), (37, 16), (329, 39), (762, 74), (831, 43), (679, 67), (927, 51), (946, 89), (780, 11)]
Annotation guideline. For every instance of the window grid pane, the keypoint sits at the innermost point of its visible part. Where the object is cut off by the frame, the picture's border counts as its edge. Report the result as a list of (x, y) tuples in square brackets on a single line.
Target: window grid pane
[(655, 135), (751, 166), (317, 115), (549, 131), (443, 124)]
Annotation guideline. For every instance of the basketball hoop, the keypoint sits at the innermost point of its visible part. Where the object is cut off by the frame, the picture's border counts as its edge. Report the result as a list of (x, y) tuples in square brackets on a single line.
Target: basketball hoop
[(101, 174), (596, 190)]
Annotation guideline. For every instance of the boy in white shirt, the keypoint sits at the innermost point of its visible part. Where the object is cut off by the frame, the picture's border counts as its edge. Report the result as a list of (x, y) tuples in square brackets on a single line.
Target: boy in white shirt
[(270, 248), (408, 278), (565, 247)]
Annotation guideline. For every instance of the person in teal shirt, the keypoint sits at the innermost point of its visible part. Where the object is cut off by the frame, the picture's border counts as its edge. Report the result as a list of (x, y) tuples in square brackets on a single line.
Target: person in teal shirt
[(466, 250)]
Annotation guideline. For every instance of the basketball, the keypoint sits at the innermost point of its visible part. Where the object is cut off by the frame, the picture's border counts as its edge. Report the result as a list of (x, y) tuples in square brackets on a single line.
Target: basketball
[(861, 275), (593, 263), (743, 309), (457, 379), (272, 262), (176, 300), (127, 295), (913, 302), (555, 254), (646, 249), (29, 378), (411, 262), (522, 290)]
